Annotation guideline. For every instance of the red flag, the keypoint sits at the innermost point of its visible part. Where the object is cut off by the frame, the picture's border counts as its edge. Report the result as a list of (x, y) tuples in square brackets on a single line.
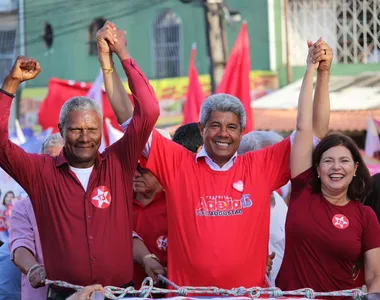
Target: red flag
[(195, 95), (235, 79), (372, 140)]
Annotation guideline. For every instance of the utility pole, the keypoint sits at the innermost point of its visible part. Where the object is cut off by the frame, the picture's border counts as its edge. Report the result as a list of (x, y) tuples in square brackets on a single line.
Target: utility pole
[(288, 66), (216, 40)]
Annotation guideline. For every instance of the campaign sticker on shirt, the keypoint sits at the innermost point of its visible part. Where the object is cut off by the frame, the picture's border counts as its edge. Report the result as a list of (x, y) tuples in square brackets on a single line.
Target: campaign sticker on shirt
[(3, 224), (101, 197), (162, 243), (340, 221), (238, 185)]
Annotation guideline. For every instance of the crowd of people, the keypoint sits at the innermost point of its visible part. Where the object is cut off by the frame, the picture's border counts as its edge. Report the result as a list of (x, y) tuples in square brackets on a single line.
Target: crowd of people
[(203, 207)]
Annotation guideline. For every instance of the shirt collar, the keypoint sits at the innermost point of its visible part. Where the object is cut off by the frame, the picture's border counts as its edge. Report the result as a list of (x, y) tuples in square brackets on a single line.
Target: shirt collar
[(62, 159), (203, 153)]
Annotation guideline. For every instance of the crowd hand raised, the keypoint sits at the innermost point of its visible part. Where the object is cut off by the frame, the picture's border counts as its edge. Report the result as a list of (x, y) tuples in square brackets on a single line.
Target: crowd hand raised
[(270, 262), (322, 54), (37, 277), (153, 268), (87, 293)]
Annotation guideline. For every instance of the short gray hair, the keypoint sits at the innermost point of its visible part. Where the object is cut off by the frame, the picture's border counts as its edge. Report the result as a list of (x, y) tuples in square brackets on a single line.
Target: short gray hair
[(223, 103), (256, 140), (76, 104), (54, 140)]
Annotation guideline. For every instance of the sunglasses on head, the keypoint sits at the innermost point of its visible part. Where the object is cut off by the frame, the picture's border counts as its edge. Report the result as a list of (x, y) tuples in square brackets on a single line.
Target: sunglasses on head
[(140, 169)]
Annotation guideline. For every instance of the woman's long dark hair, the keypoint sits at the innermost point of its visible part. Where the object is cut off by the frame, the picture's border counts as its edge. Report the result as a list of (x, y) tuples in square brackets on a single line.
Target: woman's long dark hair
[(5, 196), (360, 185)]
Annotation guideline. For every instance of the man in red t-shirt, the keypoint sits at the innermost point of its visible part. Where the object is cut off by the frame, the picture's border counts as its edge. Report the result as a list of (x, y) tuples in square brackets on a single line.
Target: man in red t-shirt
[(150, 224), (218, 201)]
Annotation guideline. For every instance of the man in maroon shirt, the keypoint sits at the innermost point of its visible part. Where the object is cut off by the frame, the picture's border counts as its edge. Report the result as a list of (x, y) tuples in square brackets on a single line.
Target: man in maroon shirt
[(83, 199)]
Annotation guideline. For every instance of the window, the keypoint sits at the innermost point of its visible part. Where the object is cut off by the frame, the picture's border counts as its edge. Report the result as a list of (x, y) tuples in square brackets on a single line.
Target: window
[(7, 51), (350, 27), (92, 30), (167, 45)]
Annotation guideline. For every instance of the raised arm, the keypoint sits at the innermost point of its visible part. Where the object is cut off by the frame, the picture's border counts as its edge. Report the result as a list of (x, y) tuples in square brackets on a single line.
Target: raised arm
[(115, 90), (20, 165), (146, 110), (301, 152), (323, 54)]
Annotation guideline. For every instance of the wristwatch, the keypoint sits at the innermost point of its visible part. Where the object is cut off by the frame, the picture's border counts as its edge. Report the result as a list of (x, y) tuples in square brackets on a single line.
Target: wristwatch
[(151, 256)]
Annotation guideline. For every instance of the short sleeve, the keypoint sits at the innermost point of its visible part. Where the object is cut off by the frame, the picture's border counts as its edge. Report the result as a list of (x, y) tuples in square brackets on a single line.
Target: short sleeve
[(274, 163), (165, 158), (299, 183), (371, 231)]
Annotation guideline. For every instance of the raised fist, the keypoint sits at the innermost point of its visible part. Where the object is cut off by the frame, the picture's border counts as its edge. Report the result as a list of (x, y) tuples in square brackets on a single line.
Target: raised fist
[(24, 69), (106, 36)]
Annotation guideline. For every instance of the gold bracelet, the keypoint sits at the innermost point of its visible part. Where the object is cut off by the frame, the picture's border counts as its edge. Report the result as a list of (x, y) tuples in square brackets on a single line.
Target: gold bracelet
[(110, 70)]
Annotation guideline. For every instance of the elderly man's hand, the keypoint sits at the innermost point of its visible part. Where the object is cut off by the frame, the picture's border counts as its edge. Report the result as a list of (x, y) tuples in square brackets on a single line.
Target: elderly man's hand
[(24, 69), (270, 262), (87, 293), (37, 276), (120, 45), (153, 268)]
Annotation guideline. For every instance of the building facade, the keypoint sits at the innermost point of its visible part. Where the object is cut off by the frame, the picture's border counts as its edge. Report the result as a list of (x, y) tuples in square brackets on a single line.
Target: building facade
[(160, 34)]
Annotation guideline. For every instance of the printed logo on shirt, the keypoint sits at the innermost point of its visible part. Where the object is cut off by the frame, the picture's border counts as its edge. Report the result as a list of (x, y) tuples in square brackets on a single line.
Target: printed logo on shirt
[(238, 185), (219, 206), (340, 221), (162, 243), (101, 197), (3, 224)]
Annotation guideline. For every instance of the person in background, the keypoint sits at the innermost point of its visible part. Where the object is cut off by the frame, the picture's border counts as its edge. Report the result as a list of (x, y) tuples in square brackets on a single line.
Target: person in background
[(151, 226), (24, 239), (8, 198), (253, 141), (373, 199), (10, 276), (189, 136)]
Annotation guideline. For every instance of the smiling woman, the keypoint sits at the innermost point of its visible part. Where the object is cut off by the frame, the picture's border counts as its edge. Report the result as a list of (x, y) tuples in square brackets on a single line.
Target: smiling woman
[(328, 231), (339, 166)]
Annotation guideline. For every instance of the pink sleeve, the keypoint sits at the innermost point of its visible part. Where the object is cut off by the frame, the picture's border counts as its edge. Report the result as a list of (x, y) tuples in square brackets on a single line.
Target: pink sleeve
[(274, 163), (145, 114), (165, 158), (21, 166), (21, 230), (371, 230)]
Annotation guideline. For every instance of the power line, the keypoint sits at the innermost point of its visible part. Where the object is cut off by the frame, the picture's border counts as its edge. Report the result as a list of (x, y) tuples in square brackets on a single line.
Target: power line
[(78, 25), (30, 14)]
